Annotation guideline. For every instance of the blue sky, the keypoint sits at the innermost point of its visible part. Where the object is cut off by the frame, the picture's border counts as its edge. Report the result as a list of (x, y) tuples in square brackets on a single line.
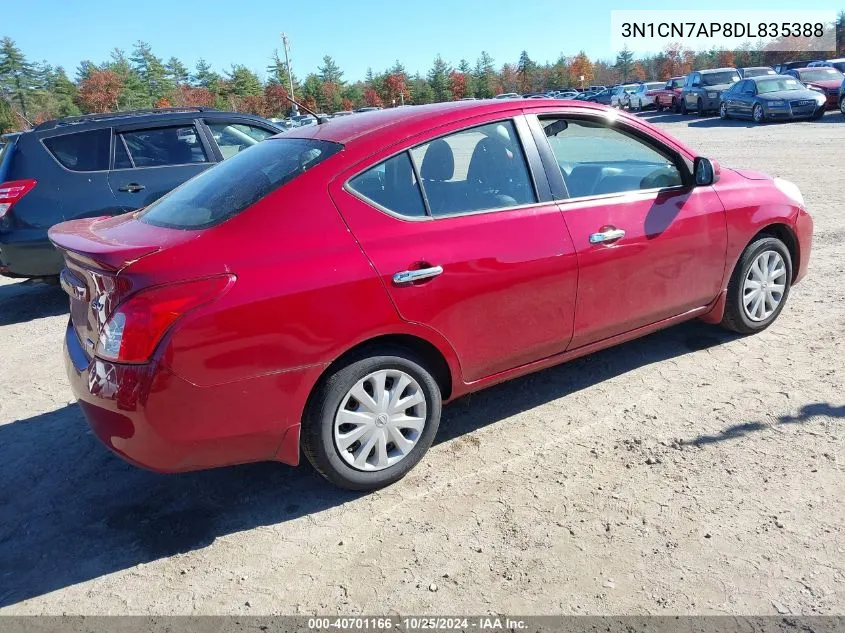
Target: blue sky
[(357, 33)]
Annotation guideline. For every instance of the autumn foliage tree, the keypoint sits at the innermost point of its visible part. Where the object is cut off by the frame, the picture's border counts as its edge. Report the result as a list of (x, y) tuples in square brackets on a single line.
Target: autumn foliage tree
[(372, 98), (100, 91), (458, 85)]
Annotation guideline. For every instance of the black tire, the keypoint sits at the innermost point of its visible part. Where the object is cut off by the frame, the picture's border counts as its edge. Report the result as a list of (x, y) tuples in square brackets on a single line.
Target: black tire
[(675, 107), (318, 423), (842, 105), (818, 114), (735, 317), (658, 106), (699, 106), (684, 110)]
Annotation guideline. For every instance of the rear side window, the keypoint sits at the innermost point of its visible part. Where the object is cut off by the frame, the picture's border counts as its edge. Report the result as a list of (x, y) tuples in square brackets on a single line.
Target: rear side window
[(81, 151), (165, 146), (392, 185), (225, 190)]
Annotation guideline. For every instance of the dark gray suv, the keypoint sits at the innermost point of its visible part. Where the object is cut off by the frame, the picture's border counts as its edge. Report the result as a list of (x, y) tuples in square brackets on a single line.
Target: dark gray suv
[(104, 164), (704, 87)]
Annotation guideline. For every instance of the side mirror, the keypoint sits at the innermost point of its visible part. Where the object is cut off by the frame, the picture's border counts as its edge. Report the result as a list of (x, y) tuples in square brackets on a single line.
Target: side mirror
[(706, 171)]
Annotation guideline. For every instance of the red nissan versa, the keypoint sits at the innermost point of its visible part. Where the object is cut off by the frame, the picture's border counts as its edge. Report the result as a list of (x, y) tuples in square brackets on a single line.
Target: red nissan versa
[(329, 288)]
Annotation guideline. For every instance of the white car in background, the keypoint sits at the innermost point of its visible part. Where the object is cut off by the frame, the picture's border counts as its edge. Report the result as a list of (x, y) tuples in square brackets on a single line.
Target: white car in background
[(640, 99), (619, 98)]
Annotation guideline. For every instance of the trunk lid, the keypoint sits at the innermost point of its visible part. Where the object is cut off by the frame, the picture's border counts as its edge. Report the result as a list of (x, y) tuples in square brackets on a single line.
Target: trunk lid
[(98, 254)]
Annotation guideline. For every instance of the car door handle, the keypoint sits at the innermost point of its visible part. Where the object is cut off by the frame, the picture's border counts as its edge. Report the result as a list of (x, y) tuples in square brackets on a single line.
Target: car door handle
[(609, 235), (132, 187), (407, 276)]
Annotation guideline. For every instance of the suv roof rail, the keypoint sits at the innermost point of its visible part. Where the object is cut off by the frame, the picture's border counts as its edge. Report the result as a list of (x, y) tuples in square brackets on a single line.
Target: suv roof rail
[(100, 116)]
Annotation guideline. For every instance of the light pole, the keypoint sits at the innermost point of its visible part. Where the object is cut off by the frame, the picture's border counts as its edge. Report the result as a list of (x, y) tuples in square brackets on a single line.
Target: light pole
[(286, 46)]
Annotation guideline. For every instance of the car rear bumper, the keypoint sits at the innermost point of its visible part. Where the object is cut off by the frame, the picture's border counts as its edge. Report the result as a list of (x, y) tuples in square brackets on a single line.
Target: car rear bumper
[(157, 420), (28, 253)]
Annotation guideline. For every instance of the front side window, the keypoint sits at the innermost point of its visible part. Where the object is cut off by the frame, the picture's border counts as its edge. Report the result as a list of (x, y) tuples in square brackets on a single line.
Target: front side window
[(474, 170), (597, 159), (82, 151), (165, 146), (232, 138), (228, 188)]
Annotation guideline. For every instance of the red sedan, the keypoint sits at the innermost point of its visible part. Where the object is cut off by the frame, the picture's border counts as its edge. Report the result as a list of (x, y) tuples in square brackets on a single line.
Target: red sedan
[(825, 80), (669, 96), (327, 289)]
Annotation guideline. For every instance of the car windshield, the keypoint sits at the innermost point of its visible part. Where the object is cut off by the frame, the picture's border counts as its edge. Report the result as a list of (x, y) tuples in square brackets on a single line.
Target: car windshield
[(777, 85), (714, 79), (223, 191), (820, 74), (758, 72)]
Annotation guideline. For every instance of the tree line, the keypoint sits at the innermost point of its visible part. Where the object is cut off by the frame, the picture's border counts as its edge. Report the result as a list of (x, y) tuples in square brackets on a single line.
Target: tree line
[(31, 91)]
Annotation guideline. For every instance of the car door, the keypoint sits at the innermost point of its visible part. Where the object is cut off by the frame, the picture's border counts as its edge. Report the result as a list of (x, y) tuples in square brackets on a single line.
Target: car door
[(150, 160), (690, 95), (731, 97), (231, 135), (650, 244), (746, 98), (480, 252)]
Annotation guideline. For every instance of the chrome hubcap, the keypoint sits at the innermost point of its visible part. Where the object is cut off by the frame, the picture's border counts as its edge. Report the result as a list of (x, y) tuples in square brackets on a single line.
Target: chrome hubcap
[(380, 420), (764, 286)]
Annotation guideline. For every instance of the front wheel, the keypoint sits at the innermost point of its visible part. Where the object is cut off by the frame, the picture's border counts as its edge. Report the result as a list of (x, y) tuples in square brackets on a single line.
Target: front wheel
[(700, 107), (372, 420), (759, 286), (684, 110), (758, 115), (723, 111)]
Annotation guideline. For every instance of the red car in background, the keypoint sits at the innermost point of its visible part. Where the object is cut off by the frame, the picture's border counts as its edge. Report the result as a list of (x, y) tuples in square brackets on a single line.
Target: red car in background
[(329, 288), (669, 96), (822, 78)]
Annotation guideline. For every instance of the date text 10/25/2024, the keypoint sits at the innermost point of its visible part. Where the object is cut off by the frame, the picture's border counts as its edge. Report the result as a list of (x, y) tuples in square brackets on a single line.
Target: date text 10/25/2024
[(414, 623)]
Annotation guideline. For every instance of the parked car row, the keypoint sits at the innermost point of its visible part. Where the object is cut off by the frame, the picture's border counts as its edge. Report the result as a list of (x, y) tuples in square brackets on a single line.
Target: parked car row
[(792, 90)]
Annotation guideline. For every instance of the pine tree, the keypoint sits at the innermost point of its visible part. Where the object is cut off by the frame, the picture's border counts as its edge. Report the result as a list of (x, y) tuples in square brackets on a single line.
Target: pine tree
[(277, 72), (624, 64), (329, 71), (243, 82), (177, 72), (438, 78), (134, 94), (152, 72), (469, 79), (204, 77), (18, 78), (525, 72), (484, 76)]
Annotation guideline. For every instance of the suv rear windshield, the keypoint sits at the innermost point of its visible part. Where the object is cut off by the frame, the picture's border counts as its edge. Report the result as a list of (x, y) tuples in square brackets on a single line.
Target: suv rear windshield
[(714, 79), (223, 191)]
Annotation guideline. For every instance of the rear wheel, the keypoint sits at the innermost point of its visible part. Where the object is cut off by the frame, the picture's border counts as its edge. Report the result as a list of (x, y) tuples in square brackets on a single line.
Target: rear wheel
[(759, 286), (372, 420), (758, 114), (675, 106)]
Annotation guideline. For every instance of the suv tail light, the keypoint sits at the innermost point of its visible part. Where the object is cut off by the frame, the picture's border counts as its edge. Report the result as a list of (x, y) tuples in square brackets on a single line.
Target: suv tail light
[(11, 192), (134, 329)]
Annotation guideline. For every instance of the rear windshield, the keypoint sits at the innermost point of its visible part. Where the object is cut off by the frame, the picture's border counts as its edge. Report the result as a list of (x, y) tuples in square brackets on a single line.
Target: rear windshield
[(819, 74), (714, 79), (223, 191)]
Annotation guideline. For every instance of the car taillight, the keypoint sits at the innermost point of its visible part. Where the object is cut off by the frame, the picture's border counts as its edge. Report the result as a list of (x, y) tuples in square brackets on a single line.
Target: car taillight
[(12, 191), (134, 329)]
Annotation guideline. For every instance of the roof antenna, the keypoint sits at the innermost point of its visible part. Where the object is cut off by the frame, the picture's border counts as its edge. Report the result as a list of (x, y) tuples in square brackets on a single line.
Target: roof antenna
[(320, 119)]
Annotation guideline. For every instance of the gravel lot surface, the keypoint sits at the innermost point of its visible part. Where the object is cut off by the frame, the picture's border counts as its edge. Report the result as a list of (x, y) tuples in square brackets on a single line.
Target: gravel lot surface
[(692, 471)]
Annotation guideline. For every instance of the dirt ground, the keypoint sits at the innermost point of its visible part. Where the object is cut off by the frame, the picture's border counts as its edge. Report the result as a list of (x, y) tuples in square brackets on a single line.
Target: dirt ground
[(692, 471)]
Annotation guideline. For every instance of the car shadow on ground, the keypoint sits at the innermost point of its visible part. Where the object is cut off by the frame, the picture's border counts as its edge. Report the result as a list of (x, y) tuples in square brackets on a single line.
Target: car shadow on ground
[(807, 412), (27, 300), (70, 511)]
